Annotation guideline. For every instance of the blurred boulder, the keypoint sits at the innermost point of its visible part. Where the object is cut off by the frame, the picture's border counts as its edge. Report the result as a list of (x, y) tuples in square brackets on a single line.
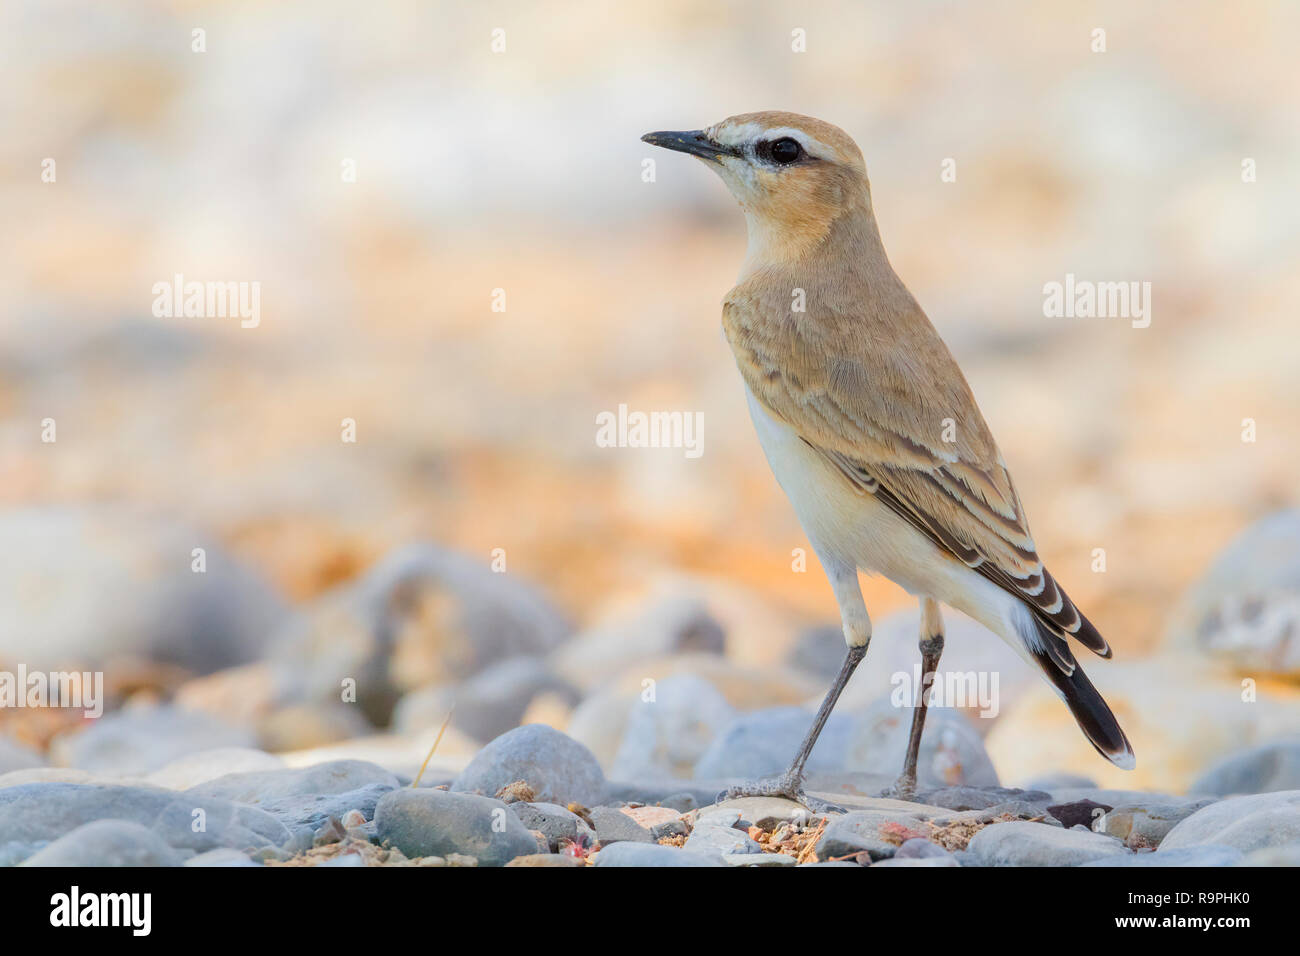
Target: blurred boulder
[(1246, 608), (487, 704), (304, 726), (675, 623), (87, 584), (242, 695), (424, 615), (666, 735), (762, 744), (601, 719), (203, 765), (142, 739), (14, 756), (819, 651), (1264, 769), (951, 754), (975, 663)]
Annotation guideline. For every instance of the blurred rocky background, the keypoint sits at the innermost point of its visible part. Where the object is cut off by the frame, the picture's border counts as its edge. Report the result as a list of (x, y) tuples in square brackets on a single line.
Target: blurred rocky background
[(474, 548)]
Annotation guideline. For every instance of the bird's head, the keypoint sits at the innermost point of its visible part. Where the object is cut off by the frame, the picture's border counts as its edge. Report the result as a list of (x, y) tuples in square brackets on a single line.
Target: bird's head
[(793, 175)]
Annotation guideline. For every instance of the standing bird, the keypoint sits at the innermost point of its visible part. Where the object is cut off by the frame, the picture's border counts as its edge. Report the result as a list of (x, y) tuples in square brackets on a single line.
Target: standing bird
[(870, 427)]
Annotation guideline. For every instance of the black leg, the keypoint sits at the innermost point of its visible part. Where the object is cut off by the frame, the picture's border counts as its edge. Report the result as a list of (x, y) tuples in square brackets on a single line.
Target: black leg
[(931, 648), (790, 784)]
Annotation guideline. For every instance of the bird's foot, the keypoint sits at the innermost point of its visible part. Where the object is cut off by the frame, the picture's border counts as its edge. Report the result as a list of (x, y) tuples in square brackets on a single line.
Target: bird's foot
[(904, 788), (788, 786)]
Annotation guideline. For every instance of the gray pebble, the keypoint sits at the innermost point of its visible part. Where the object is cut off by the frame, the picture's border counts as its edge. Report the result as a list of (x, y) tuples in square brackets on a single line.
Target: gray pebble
[(709, 838), (1033, 844), (653, 854), (438, 823), (107, 843), (615, 826), (556, 767)]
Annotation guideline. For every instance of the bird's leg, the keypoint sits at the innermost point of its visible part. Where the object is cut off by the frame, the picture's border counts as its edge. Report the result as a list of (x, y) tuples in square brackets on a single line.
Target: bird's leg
[(790, 783), (931, 643), (857, 634)]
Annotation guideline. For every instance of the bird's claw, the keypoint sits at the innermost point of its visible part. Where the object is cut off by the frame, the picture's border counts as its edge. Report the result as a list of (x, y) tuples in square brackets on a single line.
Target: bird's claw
[(904, 788), (786, 786)]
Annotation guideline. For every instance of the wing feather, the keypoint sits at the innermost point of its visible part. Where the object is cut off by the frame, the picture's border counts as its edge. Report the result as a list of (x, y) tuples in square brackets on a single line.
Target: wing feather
[(896, 418)]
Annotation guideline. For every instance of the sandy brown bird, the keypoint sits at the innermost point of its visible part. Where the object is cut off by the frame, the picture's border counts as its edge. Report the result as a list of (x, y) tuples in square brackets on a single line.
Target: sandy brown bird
[(870, 427)]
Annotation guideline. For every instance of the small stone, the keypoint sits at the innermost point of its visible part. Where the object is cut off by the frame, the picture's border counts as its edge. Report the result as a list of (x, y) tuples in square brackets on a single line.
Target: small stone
[(673, 828), (651, 817), (1079, 813), (1146, 827), (747, 858), (767, 813), (440, 823), (353, 819), (557, 768), (331, 832), (718, 816), (517, 792), (876, 833), (557, 824), (615, 826), (653, 854), (547, 859), (920, 849), (1021, 843), (717, 839)]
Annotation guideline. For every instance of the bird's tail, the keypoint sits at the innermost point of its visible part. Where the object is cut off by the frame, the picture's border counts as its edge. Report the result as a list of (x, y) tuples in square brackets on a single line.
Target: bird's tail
[(1094, 716)]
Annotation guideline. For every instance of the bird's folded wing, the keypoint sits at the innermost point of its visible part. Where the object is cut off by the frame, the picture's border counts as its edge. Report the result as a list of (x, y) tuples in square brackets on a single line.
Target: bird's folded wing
[(899, 422)]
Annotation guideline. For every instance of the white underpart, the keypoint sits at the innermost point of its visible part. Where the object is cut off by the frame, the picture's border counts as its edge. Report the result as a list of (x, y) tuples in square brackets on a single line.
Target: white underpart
[(852, 530)]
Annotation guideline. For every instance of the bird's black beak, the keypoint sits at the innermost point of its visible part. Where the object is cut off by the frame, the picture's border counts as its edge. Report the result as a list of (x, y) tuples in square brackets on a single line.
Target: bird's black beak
[(693, 142)]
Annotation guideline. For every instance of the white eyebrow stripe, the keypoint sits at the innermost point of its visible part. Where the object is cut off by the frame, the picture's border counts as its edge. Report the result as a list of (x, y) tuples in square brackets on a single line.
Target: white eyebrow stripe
[(747, 133)]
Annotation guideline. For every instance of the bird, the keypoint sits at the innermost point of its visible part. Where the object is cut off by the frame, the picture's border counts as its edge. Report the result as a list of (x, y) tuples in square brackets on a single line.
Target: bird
[(872, 431)]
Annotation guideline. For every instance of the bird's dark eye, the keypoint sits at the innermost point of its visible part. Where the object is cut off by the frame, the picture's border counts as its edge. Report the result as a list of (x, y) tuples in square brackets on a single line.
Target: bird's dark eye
[(785, 151)]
